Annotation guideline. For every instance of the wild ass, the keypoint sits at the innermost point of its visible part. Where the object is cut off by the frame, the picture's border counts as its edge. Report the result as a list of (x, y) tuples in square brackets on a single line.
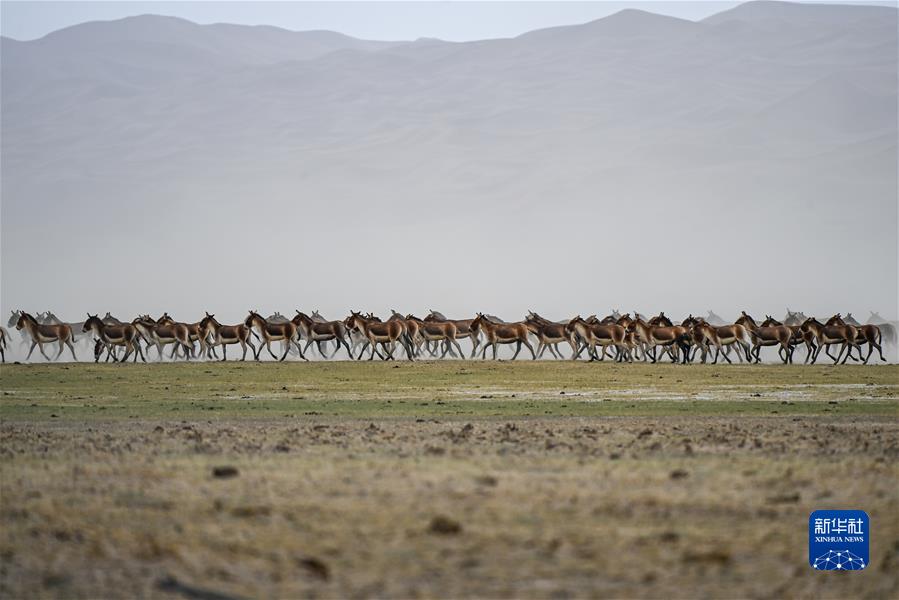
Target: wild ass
[(599, 334), (829, 335), (387, 334), (768, 336), (3, 343), (436, 332), (223, 335), (656, 334), (798, 335), (193, 331), (115, 335), (506, 333), (722, 337), (550, 334), (463, 328), (162, 335), (284, 332), (320, 332), (864, 334), (45, 334)]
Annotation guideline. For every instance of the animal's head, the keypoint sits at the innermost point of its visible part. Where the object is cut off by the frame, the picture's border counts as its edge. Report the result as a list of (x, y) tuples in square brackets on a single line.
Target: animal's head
[(572, 325), (837, 319), (93, 321), (208, 320), (253, 317), (25, 319)]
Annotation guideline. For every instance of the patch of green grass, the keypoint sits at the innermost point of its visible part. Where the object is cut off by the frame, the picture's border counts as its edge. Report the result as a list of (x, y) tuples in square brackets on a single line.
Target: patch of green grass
[(448, 389)]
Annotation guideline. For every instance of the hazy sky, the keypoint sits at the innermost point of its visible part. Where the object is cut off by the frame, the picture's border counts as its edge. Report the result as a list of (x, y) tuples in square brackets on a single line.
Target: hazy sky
[(456, 21)]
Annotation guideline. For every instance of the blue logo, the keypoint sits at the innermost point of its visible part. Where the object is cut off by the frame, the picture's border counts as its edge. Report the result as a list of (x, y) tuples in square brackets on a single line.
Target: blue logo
[(838, 540)]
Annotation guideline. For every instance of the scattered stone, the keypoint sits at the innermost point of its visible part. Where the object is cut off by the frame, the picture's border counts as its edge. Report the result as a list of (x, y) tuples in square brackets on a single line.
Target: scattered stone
[(251, 511), (784, 498), (225, 472), (719, 557), (442, 525), (54, 579), (669, 537), (315, 567), (172, 585)]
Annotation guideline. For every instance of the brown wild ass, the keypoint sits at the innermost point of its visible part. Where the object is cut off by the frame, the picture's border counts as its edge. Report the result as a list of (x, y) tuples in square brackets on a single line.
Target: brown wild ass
[(798, 336), (507, 333), (463, 328), (665, 336), (596, 333), (284, 332), (387, 334), (115, 335), (864, 334), (223, 335), (721, 337), (46, 334), (768, 336), (322, 331), (163, 335), (193, 331), (827, 336), (550, 335), (436, 332)]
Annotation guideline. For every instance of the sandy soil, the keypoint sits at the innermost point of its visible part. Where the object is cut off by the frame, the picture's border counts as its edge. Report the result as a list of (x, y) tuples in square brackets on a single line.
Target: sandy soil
[(529, 507)]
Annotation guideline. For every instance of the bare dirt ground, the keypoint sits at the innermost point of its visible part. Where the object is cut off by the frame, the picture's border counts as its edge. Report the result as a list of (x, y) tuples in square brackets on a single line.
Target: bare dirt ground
[(415, 502)]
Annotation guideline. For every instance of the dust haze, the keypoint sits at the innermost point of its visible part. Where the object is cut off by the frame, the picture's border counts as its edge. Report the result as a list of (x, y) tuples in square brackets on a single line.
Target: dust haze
[(640, 162)]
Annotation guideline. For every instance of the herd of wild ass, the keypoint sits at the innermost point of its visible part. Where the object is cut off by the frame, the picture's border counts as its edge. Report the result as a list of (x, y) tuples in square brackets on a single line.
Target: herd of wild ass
[(624, 337)]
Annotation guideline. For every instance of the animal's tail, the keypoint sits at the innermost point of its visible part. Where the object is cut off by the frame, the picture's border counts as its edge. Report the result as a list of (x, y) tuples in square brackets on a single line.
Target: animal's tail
[(888, 333)]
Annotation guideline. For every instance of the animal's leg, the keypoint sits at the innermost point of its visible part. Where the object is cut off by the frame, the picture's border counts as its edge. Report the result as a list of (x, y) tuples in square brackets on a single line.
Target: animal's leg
[(40, 346)]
